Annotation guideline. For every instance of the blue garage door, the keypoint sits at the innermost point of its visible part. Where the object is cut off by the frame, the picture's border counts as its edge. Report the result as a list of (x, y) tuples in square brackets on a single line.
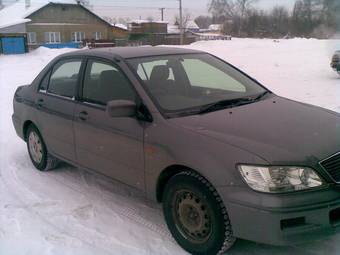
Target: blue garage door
[(13, 45)]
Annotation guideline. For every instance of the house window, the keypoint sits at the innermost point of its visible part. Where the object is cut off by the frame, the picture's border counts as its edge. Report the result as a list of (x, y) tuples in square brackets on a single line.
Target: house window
[(78, 36), (52, 37), (97, 35), (32, 38)]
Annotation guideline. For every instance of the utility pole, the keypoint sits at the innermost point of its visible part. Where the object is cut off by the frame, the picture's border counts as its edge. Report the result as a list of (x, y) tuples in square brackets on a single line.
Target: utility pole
[(162, 12), (181, 22)]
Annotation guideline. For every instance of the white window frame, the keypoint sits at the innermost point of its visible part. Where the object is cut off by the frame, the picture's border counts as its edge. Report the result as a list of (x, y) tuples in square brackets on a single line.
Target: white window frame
[(31, 36), (97, 35), (53, 37), (78, 36)]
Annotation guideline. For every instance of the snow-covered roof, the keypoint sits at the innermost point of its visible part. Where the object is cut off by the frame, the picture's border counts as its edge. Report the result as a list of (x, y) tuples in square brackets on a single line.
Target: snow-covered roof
[(215, 27), (192, 25), (173, 29), (17, 12), (142, 21), (121, 26)]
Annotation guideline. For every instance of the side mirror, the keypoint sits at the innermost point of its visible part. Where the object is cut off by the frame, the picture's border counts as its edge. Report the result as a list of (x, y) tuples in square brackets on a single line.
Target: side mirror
[(121, 108)]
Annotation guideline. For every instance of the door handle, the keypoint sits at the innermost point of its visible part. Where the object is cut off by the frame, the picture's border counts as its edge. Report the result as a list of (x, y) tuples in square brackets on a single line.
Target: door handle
[(40, 102), (83, 115)]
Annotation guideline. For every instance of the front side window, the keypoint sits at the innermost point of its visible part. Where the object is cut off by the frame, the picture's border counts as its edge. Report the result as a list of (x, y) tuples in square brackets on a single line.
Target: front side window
[(78, 36), (52, 37), (145, 70), (105, 82), (201, 74), (64, 78), (191, 82)]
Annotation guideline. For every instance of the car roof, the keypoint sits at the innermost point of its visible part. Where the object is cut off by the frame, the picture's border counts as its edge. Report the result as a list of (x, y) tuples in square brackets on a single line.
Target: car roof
[(132, 52)]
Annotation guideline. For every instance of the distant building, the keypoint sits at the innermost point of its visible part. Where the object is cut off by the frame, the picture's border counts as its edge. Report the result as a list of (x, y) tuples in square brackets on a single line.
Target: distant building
[(192, 26), (216, 27), (54, 24), (148, 27), (120, 31)]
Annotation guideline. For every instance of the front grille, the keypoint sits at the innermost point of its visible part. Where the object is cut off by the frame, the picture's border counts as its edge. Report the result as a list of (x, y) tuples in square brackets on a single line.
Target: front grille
[(332, 166)]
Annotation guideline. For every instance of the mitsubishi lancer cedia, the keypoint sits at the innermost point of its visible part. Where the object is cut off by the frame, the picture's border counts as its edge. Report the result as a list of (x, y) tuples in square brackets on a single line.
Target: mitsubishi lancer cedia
[(225, 156)]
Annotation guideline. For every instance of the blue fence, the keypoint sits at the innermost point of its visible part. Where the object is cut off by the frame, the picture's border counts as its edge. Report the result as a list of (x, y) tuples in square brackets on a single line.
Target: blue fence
[(62, 45), (13, 45)]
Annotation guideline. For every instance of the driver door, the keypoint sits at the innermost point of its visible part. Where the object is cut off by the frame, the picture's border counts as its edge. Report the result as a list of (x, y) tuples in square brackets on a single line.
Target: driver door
[(112, 146)]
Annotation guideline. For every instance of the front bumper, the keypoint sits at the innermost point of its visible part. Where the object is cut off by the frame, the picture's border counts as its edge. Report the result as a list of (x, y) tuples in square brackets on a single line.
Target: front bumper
[(283, 219)]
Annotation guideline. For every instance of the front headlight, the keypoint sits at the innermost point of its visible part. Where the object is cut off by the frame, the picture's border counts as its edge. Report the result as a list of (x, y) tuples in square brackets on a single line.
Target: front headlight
[(275, 179)]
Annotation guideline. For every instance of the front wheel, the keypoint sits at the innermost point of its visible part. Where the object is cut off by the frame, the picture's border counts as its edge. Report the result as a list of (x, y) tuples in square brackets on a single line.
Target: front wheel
[(196, 216), (37, 150)]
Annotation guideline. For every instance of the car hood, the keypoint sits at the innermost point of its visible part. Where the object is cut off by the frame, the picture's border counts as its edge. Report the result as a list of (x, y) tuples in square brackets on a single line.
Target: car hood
[(279, 130)]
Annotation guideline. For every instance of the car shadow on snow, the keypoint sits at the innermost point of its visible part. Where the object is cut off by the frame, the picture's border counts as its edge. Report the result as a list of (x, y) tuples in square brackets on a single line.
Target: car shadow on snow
[(135, 207), (242, 247)]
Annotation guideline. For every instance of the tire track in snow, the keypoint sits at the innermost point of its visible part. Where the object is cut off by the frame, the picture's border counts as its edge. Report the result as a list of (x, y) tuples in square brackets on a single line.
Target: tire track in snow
[(125, 209), (92, 191)]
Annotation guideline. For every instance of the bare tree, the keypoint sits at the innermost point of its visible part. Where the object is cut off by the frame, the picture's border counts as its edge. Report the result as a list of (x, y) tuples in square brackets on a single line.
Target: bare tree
[(243, 6), (232, 9), (150, 19), (279, 20), (309, 18), (222, 8), (185, 20), (203, 21)]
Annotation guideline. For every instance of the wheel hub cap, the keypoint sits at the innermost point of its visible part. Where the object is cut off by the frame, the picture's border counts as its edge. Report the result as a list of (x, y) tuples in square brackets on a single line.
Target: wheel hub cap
[(35, 147), (192, 217)]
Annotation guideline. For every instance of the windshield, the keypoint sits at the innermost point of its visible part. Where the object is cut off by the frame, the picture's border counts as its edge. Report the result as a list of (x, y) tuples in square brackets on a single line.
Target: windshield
[(186, 83)]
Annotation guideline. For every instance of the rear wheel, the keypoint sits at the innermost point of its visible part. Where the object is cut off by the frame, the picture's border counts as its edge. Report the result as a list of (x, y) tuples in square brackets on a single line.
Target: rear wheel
[(196, 216), (37, 150)]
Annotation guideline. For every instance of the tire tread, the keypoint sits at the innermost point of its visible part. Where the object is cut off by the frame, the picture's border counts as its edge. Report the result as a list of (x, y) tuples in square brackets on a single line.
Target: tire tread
[(229, 239)]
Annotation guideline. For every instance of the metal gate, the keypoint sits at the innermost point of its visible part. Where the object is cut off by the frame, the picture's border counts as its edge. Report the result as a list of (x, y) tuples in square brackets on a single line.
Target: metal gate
[(13, 45)]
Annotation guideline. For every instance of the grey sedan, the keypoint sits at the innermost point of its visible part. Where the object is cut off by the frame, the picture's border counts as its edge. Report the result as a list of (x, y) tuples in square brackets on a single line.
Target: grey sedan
[(225, 156)]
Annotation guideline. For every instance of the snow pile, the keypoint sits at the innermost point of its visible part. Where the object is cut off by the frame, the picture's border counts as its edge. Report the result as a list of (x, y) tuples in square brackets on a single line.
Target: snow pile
[(297, 68), (69, 211)]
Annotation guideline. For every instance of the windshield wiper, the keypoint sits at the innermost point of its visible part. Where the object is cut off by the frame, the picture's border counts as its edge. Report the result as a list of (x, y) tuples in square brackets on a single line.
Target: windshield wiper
[(229, 103), (261, 95)]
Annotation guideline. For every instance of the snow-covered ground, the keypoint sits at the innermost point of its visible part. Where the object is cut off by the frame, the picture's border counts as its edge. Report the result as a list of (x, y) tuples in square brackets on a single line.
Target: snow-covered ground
[(70, 211)]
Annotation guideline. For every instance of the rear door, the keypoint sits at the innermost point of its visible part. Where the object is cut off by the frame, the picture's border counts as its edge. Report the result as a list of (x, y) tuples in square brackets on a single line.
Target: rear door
[(112, 146), (56, 105)]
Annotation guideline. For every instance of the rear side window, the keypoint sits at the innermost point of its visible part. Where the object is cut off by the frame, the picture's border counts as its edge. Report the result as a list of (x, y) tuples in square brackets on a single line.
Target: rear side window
[(64, 78), (104, 82)]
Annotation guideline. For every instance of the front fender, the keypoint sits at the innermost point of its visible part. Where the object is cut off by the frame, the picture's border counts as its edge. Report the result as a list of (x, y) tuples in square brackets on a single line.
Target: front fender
[(167, 145)]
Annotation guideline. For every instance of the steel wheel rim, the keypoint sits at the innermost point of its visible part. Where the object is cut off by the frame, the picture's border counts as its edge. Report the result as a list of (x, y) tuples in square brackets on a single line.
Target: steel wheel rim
[(35, 147), (192, 217)]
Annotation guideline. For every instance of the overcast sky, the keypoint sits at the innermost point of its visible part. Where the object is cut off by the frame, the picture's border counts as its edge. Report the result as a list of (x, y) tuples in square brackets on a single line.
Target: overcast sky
[(140, 8), (134, 9)]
